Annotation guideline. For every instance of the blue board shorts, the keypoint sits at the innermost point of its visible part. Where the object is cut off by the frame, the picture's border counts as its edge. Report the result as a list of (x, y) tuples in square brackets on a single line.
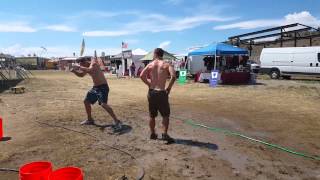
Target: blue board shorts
[(98, 93)]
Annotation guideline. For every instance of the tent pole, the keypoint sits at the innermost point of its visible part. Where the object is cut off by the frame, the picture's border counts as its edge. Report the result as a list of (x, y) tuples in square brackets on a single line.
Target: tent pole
[(215, 61)]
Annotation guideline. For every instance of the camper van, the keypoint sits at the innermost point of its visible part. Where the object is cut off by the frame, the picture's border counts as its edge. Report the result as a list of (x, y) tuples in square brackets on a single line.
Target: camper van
[(285, 62)]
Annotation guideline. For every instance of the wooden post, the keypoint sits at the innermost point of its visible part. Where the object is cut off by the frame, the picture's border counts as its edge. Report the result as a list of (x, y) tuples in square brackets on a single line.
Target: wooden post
[(295, 39), (281, 37)]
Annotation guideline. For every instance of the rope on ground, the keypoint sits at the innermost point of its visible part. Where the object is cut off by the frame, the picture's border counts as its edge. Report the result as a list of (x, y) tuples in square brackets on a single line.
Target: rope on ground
[(8, 170), (284, 149), (190, 122), (252, 139), (141, 169)]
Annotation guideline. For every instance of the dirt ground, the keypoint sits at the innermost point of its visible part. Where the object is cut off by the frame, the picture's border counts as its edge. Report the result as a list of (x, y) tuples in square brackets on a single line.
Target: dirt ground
[(281, 112)]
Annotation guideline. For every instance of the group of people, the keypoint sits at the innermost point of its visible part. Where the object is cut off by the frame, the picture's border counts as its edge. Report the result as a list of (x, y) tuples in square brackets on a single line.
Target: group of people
[(154, 75), (132, 70)]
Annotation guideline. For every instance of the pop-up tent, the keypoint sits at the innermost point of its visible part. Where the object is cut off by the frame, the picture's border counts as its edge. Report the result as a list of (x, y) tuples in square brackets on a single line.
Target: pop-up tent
[(166, 56), (218, 49)]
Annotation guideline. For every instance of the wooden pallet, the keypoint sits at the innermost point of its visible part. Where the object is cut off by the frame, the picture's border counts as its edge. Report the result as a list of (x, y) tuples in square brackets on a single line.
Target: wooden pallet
[(18, 89)]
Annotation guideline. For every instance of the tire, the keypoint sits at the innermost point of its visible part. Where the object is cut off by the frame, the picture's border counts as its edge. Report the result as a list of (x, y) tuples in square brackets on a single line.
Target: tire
[(274, 74)]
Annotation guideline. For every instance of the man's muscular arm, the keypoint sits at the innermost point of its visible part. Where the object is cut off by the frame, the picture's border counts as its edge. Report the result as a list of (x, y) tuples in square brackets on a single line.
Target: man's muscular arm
[(144, 77), (173, 78), (78, 73), (88, 69)]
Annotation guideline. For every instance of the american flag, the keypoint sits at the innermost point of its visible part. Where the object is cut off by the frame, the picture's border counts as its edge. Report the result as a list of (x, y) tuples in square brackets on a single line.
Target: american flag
[(124, 45)]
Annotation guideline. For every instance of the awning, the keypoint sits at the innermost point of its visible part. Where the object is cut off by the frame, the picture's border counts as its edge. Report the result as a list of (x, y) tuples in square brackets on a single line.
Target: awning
[(218, 49)]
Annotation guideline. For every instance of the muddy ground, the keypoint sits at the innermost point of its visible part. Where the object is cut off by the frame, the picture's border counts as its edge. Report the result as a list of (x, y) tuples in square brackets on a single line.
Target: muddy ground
[(281, 112)]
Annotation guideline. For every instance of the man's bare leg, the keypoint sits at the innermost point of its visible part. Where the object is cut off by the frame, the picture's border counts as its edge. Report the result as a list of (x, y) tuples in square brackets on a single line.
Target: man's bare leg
[(89, 120), (110, 111), (165, 126), (152, 125)]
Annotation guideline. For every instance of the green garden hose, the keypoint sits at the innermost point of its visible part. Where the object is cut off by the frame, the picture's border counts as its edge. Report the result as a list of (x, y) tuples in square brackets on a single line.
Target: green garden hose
[(190, 122)]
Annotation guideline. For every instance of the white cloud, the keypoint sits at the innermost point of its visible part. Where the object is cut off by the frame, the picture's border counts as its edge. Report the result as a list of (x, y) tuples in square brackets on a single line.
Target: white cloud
[(54, 51), (303, 17), (249, 24), (164, 44), (16, 27), (139, 51), (158, 23), (27, 28), (60, 27), (100, 14), (106, 33), (132, 41)]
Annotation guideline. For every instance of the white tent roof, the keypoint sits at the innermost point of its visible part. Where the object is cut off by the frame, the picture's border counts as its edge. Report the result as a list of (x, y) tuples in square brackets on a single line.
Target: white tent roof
[(69, 59), (139, 51)]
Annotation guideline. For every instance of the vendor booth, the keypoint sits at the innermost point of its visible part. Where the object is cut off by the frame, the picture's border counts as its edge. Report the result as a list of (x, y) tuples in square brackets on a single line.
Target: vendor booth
[(230, 61), (122, 63)]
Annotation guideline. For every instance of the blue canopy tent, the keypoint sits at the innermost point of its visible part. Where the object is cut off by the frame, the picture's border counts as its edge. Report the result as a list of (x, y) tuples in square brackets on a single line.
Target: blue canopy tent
[(218, 49)]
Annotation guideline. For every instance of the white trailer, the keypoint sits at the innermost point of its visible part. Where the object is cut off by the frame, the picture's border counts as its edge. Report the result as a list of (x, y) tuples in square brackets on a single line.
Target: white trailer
[(196, 64), (285, 62)]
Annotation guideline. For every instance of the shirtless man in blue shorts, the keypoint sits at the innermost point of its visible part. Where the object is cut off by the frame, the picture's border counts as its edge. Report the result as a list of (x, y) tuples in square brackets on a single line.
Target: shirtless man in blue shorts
[(99, 91)]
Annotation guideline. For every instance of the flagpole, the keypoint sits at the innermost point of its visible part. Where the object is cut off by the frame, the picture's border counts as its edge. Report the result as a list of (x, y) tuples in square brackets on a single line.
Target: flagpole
[(122, 59), (215, 62)]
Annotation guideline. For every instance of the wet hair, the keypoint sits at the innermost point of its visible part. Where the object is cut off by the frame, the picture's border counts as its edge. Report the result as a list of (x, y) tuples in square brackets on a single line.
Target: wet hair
[(158, 52), (83, 59)]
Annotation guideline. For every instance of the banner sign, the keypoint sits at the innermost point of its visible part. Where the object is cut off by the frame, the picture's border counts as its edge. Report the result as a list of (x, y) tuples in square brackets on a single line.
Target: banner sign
[(214, 78), (182, 76)]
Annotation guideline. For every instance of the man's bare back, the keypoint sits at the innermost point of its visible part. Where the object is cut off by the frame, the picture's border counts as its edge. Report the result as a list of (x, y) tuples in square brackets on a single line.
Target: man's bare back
[(158, 71)]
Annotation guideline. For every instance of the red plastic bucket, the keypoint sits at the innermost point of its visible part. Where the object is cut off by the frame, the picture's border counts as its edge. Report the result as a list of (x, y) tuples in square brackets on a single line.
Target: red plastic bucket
[(67, 173), (35, 171), (1, 131)]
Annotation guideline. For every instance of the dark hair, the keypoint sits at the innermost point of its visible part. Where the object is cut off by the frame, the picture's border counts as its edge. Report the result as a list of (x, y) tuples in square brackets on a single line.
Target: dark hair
[(83, 59), (159, 52)]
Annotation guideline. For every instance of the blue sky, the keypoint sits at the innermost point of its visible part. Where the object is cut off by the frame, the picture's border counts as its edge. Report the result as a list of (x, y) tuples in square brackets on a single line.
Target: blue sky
[(175, 25)]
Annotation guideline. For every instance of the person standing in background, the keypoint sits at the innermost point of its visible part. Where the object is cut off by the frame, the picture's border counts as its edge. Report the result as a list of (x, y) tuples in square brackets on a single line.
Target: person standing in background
[(132, 70)]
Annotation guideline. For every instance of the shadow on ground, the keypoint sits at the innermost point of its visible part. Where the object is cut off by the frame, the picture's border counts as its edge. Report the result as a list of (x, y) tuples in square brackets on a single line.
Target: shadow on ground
[(7, 84), (188, 142), (5, 139), (124, 130)]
